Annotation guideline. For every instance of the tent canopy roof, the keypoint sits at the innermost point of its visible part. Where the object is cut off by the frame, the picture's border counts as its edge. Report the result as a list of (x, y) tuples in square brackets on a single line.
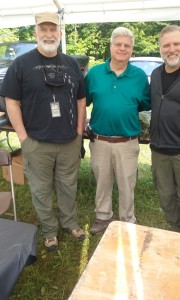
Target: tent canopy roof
[(20, 13)]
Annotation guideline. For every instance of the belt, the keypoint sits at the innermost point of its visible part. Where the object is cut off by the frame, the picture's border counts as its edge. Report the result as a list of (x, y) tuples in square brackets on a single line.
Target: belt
[(114, 139)]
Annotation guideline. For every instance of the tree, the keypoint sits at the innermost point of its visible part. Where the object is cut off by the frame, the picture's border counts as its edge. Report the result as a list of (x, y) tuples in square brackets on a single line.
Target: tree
[(8, 35), (94, 39)]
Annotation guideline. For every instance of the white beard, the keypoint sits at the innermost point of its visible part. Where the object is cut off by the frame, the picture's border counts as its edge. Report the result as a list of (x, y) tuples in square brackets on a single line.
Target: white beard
[(49, 48)]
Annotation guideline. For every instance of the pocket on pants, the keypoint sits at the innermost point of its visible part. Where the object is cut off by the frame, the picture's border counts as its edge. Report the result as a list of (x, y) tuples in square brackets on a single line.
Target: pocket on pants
[(28, 145), (79, 138)]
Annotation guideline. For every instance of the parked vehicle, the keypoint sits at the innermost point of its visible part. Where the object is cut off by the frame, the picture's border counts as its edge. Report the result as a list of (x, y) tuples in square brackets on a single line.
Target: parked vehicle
[(147, 63)]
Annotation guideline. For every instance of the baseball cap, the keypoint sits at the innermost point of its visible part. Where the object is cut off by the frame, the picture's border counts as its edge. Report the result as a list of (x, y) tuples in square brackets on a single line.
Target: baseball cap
[(47, 17)]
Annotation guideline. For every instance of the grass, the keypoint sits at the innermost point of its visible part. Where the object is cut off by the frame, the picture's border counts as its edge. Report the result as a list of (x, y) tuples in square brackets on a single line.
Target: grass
[(55, 274)]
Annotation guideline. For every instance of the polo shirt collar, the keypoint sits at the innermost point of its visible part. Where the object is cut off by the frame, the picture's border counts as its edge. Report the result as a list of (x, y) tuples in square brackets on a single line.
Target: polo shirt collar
[(125, 73)]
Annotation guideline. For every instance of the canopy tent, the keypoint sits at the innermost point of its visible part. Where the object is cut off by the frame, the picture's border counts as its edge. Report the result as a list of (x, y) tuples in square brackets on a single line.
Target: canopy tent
[(21, 12)]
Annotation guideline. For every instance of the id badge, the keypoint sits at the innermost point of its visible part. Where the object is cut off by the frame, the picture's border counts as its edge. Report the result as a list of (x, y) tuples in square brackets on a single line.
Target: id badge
[(55, 109)]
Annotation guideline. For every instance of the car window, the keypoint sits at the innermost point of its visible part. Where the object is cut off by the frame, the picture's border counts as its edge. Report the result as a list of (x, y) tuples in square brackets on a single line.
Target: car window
[(12, 50), (147, 66)]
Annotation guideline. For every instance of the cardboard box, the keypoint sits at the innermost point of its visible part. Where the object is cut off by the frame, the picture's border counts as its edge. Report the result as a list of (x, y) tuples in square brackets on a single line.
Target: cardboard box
[(17, 157), (17, 169)]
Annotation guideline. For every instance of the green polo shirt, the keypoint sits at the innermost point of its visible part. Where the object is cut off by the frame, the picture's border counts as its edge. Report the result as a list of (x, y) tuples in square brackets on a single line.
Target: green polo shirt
[(116, 99)]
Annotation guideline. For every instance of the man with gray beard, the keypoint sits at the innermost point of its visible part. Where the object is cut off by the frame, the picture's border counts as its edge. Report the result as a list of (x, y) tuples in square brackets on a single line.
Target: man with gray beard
[(45, 98), (165, 125)]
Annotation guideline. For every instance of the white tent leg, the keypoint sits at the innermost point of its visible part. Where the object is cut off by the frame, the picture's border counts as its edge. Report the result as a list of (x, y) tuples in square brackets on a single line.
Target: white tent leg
[(63, 40)]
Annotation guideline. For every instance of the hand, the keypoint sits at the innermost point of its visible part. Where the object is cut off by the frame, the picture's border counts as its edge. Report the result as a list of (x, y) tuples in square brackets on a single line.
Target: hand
[(23, 138)]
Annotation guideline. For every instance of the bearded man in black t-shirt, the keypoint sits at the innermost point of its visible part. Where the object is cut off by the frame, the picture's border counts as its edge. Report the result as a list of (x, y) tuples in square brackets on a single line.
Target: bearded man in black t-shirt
[(45, 99)]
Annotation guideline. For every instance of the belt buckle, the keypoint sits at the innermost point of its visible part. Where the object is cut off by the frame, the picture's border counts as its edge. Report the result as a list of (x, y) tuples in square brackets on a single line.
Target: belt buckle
[(111, 140)]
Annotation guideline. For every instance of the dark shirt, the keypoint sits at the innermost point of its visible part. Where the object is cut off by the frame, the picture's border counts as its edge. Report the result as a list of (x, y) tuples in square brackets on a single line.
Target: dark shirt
[(26, 80), (167, 80)]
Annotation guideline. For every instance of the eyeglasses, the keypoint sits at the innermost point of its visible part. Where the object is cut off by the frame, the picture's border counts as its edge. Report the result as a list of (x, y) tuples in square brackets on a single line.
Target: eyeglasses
[(121, 45), (58, 79)]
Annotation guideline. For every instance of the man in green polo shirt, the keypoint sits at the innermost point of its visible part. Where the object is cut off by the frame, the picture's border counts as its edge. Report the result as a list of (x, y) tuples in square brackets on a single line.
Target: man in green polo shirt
[(117, 91)]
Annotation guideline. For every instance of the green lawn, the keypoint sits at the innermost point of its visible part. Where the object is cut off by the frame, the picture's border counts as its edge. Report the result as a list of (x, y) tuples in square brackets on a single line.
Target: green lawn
[(55, 274)]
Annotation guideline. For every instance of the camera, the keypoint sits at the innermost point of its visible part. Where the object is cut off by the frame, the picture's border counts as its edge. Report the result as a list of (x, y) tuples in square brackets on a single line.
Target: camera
[(90, 133)]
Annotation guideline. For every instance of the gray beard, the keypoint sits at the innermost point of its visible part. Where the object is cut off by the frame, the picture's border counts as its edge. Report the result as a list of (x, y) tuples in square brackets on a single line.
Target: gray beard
[(49, 48), (172, 63)]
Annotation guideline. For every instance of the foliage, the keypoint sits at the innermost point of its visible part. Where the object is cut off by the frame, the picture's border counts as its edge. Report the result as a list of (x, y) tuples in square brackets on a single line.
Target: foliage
[(146, 37), (8, 35), (145, 117), (94, 39), (26, 33), (17, 34), (75, 43)]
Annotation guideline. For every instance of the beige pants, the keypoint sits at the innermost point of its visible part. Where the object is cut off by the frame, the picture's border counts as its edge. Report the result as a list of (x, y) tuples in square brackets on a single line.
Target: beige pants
[(110, 161)]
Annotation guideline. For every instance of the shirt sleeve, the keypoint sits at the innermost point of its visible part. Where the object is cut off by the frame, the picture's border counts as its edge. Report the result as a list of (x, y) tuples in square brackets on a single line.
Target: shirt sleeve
[(88, 93), (11, 86), (145, 103)]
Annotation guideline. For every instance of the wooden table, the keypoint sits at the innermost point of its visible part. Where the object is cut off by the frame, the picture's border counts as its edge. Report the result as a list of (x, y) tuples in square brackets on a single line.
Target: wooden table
[(132, 262), (7, 128)]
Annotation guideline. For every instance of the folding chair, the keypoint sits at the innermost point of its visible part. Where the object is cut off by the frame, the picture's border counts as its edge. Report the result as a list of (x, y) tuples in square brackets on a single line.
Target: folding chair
[(7, 197)]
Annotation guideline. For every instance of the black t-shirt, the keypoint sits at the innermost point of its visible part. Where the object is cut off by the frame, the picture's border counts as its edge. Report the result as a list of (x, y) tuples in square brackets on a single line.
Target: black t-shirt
[(167, 80), (26, 80)]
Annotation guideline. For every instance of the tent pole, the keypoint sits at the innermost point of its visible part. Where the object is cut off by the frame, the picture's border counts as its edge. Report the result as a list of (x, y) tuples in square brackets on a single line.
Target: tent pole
[(62, 24), (63, 39)]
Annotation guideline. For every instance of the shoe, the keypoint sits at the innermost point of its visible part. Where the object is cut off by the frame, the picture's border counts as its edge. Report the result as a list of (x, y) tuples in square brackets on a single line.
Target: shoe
[(51, 244), (99, 226), (78, 234)]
